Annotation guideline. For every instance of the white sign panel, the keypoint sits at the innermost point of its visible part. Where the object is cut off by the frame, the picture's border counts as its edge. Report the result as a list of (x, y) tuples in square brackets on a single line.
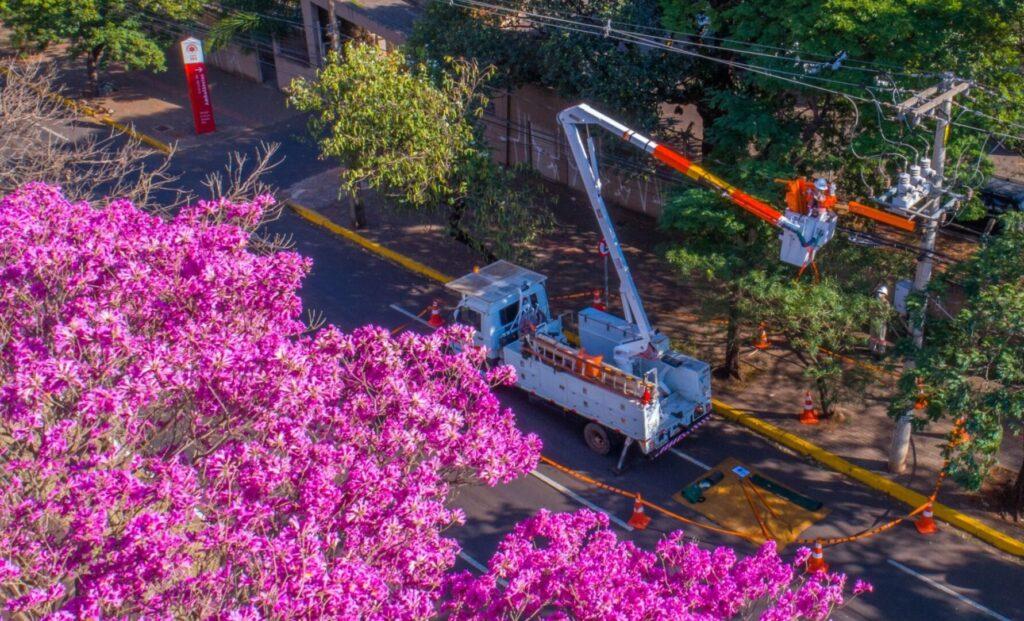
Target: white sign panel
[(192, 51)]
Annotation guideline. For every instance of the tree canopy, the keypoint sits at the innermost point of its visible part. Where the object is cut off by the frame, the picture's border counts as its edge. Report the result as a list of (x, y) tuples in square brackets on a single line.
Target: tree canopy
[(408, 130), (101, 31)]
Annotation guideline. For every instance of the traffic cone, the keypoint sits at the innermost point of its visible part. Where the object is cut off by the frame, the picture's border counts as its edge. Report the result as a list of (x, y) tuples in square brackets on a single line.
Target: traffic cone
[(816, 561), (598, 303), (435, 321), (762, 340), (922, 400), (809, 415), (639, 520), (926, 524)]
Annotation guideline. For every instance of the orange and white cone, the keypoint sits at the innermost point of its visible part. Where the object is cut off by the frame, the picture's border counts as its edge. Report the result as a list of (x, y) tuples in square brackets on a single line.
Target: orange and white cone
[(816, 561), (435, 321), (762, 339), (809, 415), (926, 523), (639, 520), (598, 302)]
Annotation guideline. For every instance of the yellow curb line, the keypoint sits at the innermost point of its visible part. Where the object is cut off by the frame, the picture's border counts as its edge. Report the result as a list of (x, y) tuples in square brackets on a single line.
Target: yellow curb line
[(106, 119), (793, 442), (410, 264), (905, 495)]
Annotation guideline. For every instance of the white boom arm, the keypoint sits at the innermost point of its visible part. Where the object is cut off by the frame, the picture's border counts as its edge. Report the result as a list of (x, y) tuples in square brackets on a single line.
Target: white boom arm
[(572, 121)]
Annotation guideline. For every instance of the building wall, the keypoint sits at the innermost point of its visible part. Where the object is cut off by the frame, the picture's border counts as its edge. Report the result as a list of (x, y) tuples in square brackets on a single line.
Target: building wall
[(233, 59), (522, 129)]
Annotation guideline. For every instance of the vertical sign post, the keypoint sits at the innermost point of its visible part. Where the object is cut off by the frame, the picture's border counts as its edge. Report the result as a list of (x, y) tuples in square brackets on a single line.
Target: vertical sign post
[(198, 88)]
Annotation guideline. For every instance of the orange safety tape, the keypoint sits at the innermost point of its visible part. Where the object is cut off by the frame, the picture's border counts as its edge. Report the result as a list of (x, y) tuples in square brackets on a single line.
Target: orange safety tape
[(824, 541), (767, 532)]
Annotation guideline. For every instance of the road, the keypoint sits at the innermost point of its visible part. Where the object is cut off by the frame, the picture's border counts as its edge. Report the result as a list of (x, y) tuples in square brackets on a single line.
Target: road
[(915, 577)]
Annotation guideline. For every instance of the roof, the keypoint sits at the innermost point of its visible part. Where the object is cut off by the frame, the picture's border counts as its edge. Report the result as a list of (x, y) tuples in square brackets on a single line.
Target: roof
[(1004, 187), (396, 16), (495, 282)]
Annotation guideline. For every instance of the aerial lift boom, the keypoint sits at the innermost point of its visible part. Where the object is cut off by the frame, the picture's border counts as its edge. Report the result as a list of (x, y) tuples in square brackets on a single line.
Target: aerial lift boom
[(802, 234)]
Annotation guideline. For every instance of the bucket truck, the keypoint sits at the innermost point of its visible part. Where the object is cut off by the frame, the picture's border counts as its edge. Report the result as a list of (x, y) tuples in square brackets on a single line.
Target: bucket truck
[(620, 374)]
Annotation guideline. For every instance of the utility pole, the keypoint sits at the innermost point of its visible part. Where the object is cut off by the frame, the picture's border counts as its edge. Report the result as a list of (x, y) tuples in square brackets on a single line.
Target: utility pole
[(921, 193)]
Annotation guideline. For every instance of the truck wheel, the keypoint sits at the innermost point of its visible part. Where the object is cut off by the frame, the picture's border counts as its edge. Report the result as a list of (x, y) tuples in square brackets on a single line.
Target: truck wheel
[(597, 438)]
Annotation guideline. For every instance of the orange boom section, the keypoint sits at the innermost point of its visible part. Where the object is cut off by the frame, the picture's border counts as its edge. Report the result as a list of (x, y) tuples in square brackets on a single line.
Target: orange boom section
[(686, 166)]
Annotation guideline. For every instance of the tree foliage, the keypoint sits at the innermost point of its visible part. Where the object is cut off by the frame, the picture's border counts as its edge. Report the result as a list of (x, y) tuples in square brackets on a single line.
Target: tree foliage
[(101, 31), (620, 77), (972, 365), (408, 131), (821, 323)]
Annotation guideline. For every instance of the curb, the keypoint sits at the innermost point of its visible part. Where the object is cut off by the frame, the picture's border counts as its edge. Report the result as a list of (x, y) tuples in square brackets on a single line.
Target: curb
[(410, 264), (791, 441), (105, 119), (903, 494)]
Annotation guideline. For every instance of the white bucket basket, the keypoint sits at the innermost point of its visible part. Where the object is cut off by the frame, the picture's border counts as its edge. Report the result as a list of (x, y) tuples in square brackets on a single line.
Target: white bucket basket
[(818, 231)]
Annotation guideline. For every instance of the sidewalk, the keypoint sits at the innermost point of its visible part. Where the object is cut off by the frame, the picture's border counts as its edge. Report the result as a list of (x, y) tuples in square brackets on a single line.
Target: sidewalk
[(773, 386)]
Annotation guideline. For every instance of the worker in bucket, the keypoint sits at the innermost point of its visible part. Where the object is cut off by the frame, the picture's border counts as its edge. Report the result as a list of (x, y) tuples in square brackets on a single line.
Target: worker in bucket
[(820, 197)]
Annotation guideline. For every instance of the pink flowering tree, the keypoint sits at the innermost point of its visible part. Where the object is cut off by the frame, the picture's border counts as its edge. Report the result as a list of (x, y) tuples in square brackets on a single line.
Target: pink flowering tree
[(175, 442), (571, 566)]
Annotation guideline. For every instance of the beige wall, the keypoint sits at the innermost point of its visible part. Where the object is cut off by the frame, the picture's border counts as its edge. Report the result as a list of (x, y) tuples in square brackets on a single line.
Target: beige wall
[(523, 129), (232, 59)]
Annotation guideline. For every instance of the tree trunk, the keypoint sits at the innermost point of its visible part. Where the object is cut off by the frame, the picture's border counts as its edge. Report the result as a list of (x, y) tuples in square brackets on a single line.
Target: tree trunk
[(1015, 503), (730, 369), (900, 447), (92, 68), (357, 210), (824, 399), (459, 234)]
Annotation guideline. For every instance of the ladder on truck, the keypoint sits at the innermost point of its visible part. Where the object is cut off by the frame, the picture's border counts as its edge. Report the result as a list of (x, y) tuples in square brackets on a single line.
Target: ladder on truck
[(591, 369)]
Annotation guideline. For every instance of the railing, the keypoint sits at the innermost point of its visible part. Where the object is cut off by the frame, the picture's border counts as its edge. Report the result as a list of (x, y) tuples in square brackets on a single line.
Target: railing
[(589, 368)]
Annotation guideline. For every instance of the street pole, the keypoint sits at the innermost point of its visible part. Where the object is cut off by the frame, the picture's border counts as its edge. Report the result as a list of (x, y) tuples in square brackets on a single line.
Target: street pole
[(900, 447), (332, 28)]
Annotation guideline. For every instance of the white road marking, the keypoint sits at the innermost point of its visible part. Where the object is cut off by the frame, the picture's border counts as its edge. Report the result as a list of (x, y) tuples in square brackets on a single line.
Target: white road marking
[(580, 499), (53, 133), (475, 564), (692, 460), (399, 309), (948, 591)]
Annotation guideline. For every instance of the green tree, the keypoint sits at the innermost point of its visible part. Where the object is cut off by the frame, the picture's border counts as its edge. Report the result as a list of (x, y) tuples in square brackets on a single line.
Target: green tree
[(972, 365), (821, 323), (101, 31), (258, 21), (408, 131), (720, 244), (797, 125)]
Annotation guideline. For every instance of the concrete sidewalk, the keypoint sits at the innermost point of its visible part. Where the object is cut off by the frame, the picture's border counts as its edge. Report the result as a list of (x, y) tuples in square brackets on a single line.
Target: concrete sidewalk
[(773, 385)]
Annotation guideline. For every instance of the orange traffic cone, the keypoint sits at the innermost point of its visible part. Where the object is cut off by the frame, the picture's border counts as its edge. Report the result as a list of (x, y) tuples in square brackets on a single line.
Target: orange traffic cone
[(762, 340), (809, 415), (926, 524), (922, 399), (435, 321), (639, 520), (598, 303), (816, 562)]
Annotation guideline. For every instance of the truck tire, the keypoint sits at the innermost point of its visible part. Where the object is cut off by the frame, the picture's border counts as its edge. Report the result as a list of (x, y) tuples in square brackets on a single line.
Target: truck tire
[(597, 438)]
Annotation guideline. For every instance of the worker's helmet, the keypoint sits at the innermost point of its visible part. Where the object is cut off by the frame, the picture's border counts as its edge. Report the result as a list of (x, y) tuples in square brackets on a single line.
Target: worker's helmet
[(882, 291), (821, 185)]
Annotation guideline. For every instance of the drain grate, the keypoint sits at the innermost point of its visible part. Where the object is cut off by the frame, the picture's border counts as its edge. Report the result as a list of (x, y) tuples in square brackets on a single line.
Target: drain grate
[(163, 128)]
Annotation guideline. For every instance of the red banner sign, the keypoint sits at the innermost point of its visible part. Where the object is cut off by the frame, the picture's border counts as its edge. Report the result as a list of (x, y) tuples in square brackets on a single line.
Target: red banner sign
[(198, 88)]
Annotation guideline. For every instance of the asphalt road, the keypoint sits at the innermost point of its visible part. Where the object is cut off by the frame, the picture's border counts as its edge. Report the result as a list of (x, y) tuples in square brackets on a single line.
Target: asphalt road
[(915, 577)]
